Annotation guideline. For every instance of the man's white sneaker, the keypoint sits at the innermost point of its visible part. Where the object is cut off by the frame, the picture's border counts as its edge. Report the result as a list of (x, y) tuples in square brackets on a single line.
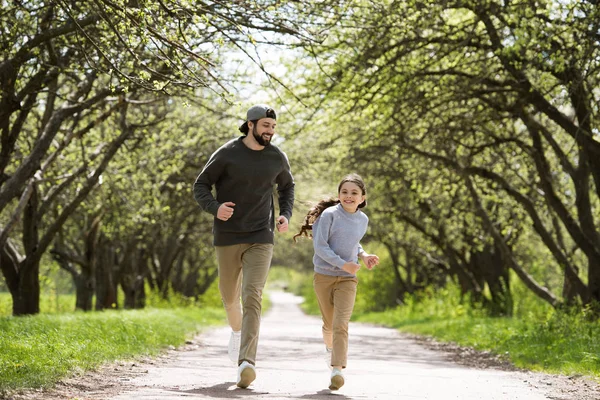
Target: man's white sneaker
[(234, 346), (327, 357), (337, 379), (246, 374)]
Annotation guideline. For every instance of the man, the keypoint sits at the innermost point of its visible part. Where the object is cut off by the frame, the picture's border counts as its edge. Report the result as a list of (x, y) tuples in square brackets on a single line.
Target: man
[(244, 172)]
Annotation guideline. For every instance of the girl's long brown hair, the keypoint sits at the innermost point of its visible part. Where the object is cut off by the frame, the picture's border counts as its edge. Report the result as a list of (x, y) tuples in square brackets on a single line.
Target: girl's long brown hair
[(312, 216), (316, 211)]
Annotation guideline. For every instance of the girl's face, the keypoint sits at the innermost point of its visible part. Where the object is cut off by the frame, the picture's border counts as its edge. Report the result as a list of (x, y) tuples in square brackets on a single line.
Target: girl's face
[(350, 196)]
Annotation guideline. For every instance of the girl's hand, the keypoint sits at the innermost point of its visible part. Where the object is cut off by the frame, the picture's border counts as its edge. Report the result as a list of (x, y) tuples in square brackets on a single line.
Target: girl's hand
[(351, 268), (370, 260)]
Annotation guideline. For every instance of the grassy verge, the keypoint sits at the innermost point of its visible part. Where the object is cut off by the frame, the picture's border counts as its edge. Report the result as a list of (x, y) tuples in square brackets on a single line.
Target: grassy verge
[(39, 350), (539, 339), (558, 343)]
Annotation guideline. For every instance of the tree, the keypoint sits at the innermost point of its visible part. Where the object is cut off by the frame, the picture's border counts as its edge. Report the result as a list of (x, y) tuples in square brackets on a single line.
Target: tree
[(69, 67), (502, 96)]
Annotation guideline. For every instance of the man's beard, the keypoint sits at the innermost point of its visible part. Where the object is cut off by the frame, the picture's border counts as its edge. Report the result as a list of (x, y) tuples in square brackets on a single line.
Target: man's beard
[(259, 138)]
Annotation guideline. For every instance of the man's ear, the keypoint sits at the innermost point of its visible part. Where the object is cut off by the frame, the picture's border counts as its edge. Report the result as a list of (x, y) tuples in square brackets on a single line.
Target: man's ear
[(250, 126)]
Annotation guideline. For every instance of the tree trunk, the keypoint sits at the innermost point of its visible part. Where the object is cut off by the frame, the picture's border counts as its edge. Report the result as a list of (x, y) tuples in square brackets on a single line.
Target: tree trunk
[(9, 264), (569, 291), (401, 287), (27, 299), (83, 281), (84, 277), (594, 284), (106, 286), (21, 277), (494, 271), (135, 295), (540, 291), (84, 285), (163, 261), (132, 277)]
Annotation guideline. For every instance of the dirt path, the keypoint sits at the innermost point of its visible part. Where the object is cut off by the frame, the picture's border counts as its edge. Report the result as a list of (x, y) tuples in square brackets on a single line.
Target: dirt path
[(383, 364)]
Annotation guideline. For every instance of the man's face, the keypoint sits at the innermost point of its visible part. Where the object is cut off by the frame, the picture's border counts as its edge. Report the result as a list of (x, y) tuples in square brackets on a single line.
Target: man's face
[(263, 130)]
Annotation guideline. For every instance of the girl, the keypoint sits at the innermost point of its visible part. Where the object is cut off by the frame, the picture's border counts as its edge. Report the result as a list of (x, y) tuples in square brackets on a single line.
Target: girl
[(338, 226)]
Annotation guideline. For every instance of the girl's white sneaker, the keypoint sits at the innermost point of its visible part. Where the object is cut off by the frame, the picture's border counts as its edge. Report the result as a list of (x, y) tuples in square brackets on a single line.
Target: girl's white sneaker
[(337, 379)]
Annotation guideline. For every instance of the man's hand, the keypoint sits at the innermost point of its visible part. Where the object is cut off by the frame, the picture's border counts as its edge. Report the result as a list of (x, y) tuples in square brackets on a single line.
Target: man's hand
[(282, 224), (225, 211)]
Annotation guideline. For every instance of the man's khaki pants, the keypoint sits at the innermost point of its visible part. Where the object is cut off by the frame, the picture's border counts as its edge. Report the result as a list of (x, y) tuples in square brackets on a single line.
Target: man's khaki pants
[(336, 295), (243, 270)]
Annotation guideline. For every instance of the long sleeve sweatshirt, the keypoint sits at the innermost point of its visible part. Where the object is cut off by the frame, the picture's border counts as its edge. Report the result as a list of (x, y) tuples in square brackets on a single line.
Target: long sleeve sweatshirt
[(336, 239), (245, 177)]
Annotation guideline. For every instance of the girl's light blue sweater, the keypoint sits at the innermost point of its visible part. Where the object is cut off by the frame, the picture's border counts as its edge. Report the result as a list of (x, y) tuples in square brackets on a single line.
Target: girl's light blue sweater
[(336, 239)]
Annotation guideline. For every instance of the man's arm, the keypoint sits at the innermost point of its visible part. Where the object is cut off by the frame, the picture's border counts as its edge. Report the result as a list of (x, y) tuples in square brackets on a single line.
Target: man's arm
[(204, 183), (285, 189)]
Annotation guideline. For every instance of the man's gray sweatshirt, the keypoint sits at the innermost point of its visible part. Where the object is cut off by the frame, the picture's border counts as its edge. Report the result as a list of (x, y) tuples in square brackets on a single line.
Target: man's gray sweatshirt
[(245, 177), (336, 239)]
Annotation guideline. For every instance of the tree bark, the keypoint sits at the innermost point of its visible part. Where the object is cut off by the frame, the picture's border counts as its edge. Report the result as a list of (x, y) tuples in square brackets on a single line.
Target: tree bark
[(132, 276), (527, 279), (106, 284), (494, 271)]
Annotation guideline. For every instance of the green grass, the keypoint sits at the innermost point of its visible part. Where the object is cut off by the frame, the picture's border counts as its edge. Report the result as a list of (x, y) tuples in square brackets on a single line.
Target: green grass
[(36, 351), (50, 303), (538, 338), (559, 343)]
